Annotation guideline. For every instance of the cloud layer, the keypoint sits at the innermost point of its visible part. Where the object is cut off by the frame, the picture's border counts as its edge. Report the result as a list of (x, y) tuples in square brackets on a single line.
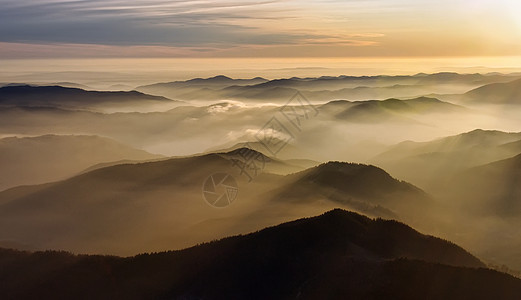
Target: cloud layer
[(260, 28)]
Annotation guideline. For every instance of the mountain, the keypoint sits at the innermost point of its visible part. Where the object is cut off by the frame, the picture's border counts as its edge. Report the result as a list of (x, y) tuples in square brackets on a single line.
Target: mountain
[(65, 84), (221, 79), (289, 153), (244, 151), (428, 163), (392, 109), (338, 255), (343, 81), (63, 97), (488, 201), (496, 93), (353, 181), (69, 85), (34, 160), (196, 87), (131, 204), (359, 187), (128, 208), (325, 88), (491, 188), (354, 131)]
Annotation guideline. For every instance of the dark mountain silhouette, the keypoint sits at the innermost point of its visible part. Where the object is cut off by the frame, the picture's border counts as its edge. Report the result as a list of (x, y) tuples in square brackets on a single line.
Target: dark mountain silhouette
[(498, 93), (62, 84), (57, 96), (365, 188), (354, 178), (338, 255), (70, 85)]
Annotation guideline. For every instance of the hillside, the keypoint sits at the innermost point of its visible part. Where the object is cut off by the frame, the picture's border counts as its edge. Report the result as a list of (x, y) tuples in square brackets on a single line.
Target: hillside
[(492, 188), (375, 111), (496, 93), (427, 163), (364, 188), (132, 203), (337, 255), (55, 157)]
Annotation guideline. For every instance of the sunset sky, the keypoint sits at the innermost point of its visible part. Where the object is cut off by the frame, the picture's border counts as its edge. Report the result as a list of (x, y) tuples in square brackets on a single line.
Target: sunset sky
[(278, 28)]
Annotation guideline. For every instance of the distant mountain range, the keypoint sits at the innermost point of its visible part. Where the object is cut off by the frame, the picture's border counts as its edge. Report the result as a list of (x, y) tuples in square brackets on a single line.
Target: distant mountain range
[(62, 84), (75, 98), (489, 88), (324, 88), (338, 255), (221, 125)]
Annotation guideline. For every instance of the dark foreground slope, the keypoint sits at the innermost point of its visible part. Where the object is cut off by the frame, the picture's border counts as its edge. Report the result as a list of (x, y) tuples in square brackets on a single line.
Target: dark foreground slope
[(339, 255)]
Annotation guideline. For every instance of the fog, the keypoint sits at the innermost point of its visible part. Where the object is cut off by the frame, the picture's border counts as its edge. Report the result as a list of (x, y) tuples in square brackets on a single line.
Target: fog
[(124, 177)]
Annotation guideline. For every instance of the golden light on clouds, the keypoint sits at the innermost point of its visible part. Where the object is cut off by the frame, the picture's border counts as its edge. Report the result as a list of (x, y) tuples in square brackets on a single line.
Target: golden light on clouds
[(289, 28)]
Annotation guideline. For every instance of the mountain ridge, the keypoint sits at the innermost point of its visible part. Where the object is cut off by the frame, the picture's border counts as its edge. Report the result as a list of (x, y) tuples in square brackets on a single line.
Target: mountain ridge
[(26, 95), (340, 249)]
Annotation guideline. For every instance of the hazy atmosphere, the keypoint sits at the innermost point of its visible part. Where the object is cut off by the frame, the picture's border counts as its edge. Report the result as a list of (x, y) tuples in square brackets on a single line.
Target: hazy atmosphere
[(260, 149)]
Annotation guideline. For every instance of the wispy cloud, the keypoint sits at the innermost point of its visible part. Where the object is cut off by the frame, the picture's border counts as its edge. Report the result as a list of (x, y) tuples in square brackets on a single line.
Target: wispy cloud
[(173, 23), (227, 27)]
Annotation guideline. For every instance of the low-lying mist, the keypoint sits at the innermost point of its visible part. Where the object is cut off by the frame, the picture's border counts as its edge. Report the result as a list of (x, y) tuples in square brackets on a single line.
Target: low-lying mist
[(126, 177)]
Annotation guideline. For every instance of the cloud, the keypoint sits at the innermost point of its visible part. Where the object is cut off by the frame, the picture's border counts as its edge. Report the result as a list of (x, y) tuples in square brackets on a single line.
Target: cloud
[(246, 28), (212, 24), (224, 106)]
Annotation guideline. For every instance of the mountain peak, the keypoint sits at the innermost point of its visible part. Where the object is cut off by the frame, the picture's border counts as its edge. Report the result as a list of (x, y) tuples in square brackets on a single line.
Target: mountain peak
[(246, 152), (220, 77), (308, 258), (343, 167), (347, 175), (426, 99), (484, 133), (352, 180)]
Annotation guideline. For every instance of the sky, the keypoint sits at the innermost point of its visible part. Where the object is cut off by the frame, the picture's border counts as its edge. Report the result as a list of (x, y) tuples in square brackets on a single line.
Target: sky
[(258, 29)]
